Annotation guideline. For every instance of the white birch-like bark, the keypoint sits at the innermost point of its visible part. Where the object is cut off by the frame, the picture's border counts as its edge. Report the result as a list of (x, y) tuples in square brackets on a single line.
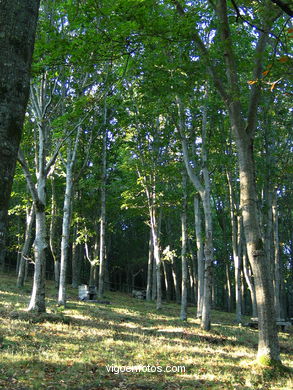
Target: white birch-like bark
[(38, 192), (41, 99)]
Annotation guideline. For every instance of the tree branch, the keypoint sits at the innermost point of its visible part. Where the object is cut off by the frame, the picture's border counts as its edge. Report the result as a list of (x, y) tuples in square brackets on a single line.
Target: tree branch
[(28, 176)]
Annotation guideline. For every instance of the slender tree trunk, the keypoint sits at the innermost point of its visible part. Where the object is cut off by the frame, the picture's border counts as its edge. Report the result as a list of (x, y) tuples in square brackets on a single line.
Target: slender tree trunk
[(149, 275), (236, 242), (200, 255), (103, 214), (18, 244), (30, 219), (65, 234), (176, 282), (37, 302), (157, 257), (76, 260), (208, 248), (238, 267), (193, 272), (204, 192), (18, 21), (166, 279), (277, 279), (250, 283), (229, 289), (71, 157), (154, 280), (183, 311), (53, 240), (208, 252)]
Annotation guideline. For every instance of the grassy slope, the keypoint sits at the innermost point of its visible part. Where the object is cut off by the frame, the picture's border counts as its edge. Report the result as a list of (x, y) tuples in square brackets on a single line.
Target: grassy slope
[(70, 348)]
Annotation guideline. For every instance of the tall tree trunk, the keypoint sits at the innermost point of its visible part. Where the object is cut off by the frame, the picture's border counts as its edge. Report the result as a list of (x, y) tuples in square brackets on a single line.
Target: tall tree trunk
[(204, 192), (65, 234), (39, 107), (157, 257), (149, 274), (268, 345), (193, 273), (183, 311), (208, 253), (76, 260), (243, 128), (236, 243), (166, 279), (154, 280), (37, 301), (176, 282), (103, 214), (53, 234), (200, 255), (71, 157), (229, 289), (30, 219), (18, 21), (250, 283), (208, 247), (277, 279)]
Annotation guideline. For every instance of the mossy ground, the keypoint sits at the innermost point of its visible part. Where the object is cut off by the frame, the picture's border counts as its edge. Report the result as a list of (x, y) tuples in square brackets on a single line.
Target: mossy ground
[(71, 348)]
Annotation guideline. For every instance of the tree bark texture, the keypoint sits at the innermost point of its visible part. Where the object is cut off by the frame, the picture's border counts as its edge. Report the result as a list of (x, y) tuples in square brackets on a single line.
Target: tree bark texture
[(103, 215), (236, 244), (149, 274), (30, 219), (53, 234), (243, 131), (18, 21), (183, 310), (200, 255), (71, 156)]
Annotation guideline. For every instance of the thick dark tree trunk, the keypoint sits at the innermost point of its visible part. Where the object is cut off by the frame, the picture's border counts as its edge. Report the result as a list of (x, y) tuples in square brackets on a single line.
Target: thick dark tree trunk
[(17, 31)]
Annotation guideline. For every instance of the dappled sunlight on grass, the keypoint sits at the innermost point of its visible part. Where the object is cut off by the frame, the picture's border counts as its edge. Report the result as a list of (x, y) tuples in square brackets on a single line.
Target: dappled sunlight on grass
[(71, 347)]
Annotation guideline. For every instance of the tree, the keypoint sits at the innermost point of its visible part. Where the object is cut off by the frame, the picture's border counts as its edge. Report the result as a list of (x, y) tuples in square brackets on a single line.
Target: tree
[(18, 22)]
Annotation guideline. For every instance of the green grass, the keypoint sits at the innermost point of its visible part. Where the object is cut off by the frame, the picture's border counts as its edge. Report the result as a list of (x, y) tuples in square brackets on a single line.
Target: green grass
[(70, 348)]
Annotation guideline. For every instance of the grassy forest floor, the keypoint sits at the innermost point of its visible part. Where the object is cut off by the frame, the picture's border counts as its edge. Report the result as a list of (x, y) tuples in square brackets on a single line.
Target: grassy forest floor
[(71, 348)]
